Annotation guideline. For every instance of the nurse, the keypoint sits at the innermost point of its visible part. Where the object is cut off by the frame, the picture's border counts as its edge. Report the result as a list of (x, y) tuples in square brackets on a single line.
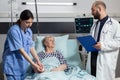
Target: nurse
[(17, 49), (106, 32)]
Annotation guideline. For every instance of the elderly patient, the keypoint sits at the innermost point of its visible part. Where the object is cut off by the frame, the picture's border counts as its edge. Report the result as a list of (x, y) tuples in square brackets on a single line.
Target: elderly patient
[(56, 67), (51, 54)]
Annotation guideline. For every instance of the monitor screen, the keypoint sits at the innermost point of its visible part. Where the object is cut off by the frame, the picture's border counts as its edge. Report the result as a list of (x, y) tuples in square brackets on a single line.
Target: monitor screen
[(83, 25)]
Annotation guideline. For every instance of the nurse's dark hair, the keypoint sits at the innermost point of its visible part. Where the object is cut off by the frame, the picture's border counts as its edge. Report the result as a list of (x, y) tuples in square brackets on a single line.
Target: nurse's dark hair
[(97, 3), (25, 15)]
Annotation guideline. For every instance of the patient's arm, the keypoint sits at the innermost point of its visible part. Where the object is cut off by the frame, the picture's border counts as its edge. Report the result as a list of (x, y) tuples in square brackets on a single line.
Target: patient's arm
[(61, 67)]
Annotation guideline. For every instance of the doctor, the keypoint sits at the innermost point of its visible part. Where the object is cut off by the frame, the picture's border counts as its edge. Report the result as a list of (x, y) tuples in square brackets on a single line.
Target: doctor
[(17, 48), (106, 32)]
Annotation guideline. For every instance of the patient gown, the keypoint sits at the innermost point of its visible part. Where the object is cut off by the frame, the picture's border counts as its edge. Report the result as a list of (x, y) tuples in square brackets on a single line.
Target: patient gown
[(71, 73)]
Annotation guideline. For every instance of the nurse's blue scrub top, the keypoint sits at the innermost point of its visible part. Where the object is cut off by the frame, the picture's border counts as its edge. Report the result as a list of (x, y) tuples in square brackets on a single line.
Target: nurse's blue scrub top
[(13, 62)]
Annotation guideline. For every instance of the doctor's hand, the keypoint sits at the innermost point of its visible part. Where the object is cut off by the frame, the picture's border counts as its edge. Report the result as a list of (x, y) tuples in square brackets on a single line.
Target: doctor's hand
[(97, 45)]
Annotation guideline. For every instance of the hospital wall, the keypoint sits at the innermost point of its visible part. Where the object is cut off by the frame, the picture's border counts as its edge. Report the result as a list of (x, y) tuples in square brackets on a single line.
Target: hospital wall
[(52, 14)]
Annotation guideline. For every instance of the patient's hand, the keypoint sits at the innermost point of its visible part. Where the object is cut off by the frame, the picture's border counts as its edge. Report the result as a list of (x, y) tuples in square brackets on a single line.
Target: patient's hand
[(38, 68), (55, 69), (62, 67), (41, 66)]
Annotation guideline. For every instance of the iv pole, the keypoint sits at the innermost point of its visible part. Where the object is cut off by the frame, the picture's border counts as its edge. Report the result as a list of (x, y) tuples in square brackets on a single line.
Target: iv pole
[(11, 12), (37, 17)]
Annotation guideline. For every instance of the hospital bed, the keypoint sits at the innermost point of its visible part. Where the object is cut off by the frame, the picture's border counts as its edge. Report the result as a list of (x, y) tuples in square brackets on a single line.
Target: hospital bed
[(68, 47)]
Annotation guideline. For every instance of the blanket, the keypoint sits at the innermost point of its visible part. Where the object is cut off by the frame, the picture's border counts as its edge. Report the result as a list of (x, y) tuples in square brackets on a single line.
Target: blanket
[(71, 73)]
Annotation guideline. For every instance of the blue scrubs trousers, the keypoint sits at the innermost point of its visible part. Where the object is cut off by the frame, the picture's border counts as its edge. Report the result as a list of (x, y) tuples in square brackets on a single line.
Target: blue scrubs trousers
[(15, 77)]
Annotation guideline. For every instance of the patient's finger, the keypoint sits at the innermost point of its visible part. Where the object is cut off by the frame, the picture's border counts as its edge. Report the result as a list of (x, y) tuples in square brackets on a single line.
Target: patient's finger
[(37, 68), (41, 69), (41, 65)]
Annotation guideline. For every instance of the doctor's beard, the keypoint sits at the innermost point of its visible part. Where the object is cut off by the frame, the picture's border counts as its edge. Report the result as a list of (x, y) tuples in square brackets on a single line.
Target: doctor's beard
[(97, 15)]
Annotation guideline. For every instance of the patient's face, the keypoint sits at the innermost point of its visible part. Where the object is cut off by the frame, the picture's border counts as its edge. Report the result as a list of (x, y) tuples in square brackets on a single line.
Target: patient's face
[(50, 42)]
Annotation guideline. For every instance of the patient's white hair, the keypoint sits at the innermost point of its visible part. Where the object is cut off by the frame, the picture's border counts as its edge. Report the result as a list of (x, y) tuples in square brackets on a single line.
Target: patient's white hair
[(45, 39)]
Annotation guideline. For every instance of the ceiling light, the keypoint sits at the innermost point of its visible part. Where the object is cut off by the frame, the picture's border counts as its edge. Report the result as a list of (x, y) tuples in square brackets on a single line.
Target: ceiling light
[(49, 4)]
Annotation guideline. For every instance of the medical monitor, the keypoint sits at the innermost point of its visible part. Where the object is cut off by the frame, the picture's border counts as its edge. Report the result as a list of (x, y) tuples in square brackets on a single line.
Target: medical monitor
[(83, 25)]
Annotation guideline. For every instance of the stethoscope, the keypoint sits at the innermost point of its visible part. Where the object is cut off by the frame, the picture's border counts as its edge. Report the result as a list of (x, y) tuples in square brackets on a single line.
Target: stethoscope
[(109, 21)]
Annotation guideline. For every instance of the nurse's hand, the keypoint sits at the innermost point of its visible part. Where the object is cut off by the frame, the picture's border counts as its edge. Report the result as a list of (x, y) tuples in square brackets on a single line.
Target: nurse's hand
[(40, 65), (37, 68)]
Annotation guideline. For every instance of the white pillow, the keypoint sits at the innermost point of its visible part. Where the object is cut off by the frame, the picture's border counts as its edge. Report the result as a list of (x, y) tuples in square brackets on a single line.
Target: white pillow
[(60, 44)]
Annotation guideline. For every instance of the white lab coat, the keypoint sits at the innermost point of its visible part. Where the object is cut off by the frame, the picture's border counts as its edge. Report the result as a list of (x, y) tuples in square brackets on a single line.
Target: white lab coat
[(107, 57)]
